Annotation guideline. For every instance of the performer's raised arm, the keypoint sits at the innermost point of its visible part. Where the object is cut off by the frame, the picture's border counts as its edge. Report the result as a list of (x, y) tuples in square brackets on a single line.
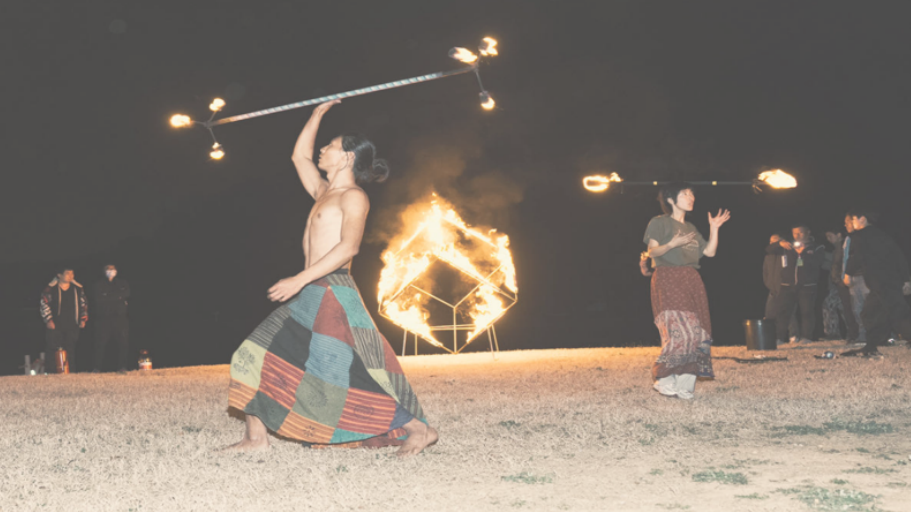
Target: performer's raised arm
[(303, 152)]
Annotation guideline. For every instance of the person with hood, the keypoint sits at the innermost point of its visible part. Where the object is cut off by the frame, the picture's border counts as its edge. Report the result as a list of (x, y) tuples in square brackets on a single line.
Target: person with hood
[(111, 323)]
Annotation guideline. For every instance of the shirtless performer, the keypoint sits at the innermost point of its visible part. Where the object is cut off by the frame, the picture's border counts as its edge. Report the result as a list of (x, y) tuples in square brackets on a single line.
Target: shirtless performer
[(317, 370)]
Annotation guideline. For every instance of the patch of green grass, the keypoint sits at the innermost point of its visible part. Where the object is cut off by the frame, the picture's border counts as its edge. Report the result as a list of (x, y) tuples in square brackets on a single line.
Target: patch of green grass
[(742, 463), (899, 485), (192, 430), (862, 450), (518, 503), (510, 424), (839, 481), (819, 498), (797, 430), (860, 428), (720, 477), (870, 471), (672, 506), (647, 442), (871, 428), (341, 469), (528, 478), (754, 496), (656, 472), (727, 389), (882, 456)]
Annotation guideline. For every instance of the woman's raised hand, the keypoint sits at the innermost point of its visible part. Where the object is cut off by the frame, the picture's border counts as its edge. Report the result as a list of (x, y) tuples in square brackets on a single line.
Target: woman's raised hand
[(722, 217)]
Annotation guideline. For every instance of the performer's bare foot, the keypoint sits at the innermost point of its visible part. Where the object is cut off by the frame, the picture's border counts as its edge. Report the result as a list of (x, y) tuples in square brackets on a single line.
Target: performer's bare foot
[(256, 437), (420, 436)]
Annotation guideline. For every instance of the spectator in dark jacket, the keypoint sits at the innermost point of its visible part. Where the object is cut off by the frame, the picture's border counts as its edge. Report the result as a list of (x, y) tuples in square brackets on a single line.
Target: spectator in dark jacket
[(771, 278), (858, 287), (111, 322), (800, 265), (836, 237), (879, 259), (64, 312)]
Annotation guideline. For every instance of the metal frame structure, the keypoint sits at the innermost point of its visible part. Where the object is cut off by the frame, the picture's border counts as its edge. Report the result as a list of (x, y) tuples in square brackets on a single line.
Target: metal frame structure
[(455, 327)]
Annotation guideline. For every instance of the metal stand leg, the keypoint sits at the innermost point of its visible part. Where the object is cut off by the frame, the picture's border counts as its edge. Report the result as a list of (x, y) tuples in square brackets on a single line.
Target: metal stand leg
[(404, 343)]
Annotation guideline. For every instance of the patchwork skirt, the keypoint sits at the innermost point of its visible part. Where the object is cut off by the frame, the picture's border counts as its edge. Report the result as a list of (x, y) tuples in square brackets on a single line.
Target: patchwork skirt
[(318, 370)]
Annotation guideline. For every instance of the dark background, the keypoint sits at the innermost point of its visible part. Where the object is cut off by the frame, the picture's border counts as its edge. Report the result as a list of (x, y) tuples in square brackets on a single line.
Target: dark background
[(92, 173)]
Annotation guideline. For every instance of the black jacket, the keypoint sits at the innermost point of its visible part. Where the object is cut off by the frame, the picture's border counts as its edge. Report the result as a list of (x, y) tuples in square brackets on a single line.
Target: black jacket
[(874, 255), (806, 274), (111, 297), (771, 272)]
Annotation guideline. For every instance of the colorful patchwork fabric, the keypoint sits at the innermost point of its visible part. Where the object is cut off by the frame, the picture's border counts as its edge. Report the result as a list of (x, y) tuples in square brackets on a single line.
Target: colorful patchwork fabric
[(318, 370)]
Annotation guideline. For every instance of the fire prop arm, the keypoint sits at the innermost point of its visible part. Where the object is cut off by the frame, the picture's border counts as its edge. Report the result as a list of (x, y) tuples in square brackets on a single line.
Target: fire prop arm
[(487, 49), (303, 151)]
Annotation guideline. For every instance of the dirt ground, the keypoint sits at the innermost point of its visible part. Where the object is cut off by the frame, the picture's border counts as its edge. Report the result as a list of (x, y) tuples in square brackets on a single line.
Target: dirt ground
[(532, 430)]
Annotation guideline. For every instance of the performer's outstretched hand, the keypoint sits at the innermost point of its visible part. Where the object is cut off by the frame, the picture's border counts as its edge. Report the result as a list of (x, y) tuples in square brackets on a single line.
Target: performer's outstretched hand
[(722, 217), (322, 108), (285, 289)]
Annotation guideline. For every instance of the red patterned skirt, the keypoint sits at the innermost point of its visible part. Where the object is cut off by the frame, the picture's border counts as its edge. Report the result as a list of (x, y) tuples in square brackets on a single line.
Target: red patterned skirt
[(681, 310)]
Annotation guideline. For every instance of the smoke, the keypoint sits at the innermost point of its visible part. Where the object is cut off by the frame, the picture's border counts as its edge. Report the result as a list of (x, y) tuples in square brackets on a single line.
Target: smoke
[(457, 171)]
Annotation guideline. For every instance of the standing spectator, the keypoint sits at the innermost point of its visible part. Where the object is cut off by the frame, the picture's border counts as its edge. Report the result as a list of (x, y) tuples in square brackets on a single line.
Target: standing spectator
[(879, 259), (837, 238), (771, 277), (64, 311), (111, 322), (858, 286), (800, 265)]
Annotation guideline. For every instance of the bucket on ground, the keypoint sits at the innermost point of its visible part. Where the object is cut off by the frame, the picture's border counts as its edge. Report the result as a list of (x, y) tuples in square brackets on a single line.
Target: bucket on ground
[(760, 334)]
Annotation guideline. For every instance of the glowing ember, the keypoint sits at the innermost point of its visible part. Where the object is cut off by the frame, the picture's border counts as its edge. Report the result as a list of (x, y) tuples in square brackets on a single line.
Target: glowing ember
[(778, 179), (216, 104), (217, 152), (598, 183), (432, 232), (180, 121), (487, 103), (462, 55), (489, 47)]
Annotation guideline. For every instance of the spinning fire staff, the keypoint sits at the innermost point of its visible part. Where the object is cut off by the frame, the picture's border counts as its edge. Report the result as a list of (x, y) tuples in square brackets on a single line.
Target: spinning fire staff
[(775, 179), (488, 48)]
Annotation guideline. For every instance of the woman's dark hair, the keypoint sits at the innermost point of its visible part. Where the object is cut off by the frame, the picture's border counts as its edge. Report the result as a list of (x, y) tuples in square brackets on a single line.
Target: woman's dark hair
[(671, 191), (367, 167)]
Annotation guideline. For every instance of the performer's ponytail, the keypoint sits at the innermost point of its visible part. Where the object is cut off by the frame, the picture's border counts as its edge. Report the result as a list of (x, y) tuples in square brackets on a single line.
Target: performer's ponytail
[(367, 168)]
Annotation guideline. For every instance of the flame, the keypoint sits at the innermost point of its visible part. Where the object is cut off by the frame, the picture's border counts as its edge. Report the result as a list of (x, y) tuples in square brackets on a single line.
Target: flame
[(489, 49), (462, 55), (487, 103), (216, 104), (778, 179), (180, 121), (599, 183), (438, 233), (217, 152)]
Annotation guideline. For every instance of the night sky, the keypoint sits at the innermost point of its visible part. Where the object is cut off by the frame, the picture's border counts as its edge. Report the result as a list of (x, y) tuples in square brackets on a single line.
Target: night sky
[(92, 173)]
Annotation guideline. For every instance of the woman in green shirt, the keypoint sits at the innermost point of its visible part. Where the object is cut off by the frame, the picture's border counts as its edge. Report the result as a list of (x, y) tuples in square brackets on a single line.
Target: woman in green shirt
[(679, 302)]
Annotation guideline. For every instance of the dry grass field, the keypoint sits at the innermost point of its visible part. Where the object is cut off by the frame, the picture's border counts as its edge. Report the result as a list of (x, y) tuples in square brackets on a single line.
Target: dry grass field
[(533, 430)]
